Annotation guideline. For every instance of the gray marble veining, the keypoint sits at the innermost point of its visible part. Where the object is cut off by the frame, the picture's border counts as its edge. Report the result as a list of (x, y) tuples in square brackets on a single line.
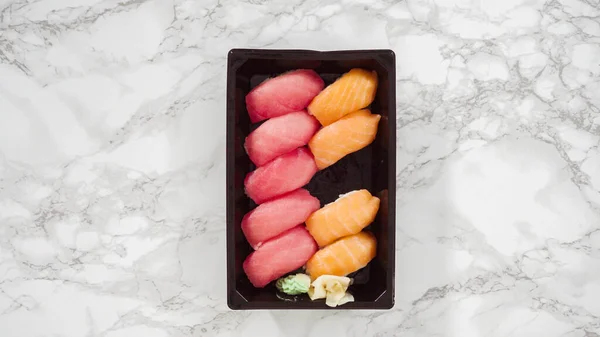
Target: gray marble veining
[(112, 143)]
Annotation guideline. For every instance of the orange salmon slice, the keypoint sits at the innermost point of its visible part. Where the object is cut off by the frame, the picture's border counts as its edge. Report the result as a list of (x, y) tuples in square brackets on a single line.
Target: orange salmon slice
[(348, 215), (344, 256), (350, 134), (354, 90)]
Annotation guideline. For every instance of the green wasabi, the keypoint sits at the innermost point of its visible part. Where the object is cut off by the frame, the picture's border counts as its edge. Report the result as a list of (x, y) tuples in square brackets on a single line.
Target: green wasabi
[(294, 284)]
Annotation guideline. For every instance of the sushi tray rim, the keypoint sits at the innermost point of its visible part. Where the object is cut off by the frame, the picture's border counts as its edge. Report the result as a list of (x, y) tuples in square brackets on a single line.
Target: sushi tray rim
[(236, 57)]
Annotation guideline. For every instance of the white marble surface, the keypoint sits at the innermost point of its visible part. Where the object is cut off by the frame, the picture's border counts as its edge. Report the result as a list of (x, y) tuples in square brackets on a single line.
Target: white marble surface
[(112, 146)]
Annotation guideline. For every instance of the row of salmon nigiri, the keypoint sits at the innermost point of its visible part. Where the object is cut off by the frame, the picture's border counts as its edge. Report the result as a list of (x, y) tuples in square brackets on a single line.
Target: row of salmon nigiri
[(338, 226), (338, 230)]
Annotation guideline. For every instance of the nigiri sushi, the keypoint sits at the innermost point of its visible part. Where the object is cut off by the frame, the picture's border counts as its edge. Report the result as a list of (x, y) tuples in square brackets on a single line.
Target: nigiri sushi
[(350, 134), (279, 256), (281, 175), (344, 256), (288, 92), (278, 215), (280, 135), (348, 215), (354, 90)]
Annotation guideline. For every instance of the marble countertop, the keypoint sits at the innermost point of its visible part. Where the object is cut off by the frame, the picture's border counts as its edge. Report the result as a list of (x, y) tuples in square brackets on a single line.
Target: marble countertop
[(112, 165)]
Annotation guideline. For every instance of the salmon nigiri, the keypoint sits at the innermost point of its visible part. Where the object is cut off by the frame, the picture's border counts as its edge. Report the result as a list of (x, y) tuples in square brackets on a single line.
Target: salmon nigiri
[(344, 256), (348, 215), (353, 91), (350, 134)]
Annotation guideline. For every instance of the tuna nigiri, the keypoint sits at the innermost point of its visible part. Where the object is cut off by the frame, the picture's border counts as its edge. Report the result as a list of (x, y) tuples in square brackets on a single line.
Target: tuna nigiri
[(350, 134), (278, 215), (355, 90), (288, 92), (348, 215), (281, 175), (279, 256), (344, 256), (280, 135)]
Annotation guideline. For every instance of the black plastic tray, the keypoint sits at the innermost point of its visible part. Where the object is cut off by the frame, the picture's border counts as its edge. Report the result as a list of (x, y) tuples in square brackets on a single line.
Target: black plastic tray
[(372, 168)]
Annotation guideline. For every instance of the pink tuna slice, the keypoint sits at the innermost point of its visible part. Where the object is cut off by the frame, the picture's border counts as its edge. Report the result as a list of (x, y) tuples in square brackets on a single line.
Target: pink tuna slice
[(279, 256), (278, 215), (281, 175), (280, 135), (288, 92)]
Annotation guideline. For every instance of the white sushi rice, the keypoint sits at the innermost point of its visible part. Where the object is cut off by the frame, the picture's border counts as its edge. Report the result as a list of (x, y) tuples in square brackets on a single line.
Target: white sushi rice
[(345, 195), (341, 196)]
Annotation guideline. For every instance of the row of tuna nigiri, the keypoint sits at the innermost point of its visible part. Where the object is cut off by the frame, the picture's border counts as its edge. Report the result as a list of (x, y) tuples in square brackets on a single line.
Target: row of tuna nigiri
[(276, 147)]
